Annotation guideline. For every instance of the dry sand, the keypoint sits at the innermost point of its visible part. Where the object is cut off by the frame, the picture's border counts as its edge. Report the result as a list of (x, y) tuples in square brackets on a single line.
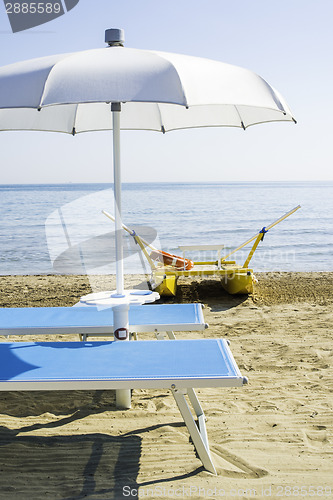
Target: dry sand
[(272, 438)]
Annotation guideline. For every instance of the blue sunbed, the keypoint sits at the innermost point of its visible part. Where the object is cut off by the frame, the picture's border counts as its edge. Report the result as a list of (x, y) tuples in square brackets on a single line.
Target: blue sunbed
[(180, 366), (99, 321)]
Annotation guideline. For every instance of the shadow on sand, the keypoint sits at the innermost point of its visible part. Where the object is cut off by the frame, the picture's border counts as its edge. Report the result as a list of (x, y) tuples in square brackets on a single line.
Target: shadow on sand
[(208, 292), (70, 466)]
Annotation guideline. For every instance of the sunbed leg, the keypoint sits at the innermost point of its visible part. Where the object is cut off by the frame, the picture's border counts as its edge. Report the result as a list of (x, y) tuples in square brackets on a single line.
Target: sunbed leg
[(200, 415), (160, 335), (199, 440)]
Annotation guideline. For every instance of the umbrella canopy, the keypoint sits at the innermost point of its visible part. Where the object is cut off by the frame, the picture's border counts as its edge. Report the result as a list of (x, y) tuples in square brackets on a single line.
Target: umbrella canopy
[(72, 92), (76, 92)]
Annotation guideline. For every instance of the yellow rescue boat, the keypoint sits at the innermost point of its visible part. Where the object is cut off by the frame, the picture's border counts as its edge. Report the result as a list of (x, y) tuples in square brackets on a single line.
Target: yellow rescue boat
[(166, 268)]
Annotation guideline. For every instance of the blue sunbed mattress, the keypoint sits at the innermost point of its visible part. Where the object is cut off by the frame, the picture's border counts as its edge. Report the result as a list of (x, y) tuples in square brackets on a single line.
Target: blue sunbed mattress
[(89, 320), (114, 365)]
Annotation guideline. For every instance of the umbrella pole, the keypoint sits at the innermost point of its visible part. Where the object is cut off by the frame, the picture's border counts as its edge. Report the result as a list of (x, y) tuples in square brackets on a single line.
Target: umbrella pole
[(116, 108), (120, 313)]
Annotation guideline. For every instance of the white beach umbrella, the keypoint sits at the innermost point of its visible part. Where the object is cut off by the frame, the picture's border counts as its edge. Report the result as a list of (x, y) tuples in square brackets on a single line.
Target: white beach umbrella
[(122, 88), (141, 89)]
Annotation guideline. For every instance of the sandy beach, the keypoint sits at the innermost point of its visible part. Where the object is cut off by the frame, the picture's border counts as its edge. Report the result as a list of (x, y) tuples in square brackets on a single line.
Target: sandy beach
[(272, 438)]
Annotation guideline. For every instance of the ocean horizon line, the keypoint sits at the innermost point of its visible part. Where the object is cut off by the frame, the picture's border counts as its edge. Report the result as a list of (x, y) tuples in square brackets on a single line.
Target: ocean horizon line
[(210, 182)]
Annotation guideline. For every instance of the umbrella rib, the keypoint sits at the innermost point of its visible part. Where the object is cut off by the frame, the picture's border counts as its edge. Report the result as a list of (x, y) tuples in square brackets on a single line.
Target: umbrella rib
[(74, 119), (174, 66), (240, 118), (43, 91), (161, 121), (65, 56)]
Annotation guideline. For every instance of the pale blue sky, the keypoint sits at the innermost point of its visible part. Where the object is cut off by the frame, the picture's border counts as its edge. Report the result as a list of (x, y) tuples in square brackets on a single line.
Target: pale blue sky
[(287, 42)]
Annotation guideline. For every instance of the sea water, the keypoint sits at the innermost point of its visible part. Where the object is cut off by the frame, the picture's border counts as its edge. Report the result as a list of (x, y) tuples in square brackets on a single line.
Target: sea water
[(61, 228)]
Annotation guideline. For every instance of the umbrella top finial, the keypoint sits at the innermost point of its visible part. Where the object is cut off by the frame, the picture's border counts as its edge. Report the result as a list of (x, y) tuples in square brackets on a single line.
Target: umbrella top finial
[(115, 37)]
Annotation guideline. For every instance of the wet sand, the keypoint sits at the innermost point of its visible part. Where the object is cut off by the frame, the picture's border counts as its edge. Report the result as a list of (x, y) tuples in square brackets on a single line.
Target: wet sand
[(272, 437)]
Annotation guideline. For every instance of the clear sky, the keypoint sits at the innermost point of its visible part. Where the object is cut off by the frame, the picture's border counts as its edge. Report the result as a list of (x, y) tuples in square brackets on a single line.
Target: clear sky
[(289, 43)]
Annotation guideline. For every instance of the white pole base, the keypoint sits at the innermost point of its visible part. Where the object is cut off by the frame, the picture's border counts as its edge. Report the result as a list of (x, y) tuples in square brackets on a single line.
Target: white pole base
[(120, 325), (123, 399)]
